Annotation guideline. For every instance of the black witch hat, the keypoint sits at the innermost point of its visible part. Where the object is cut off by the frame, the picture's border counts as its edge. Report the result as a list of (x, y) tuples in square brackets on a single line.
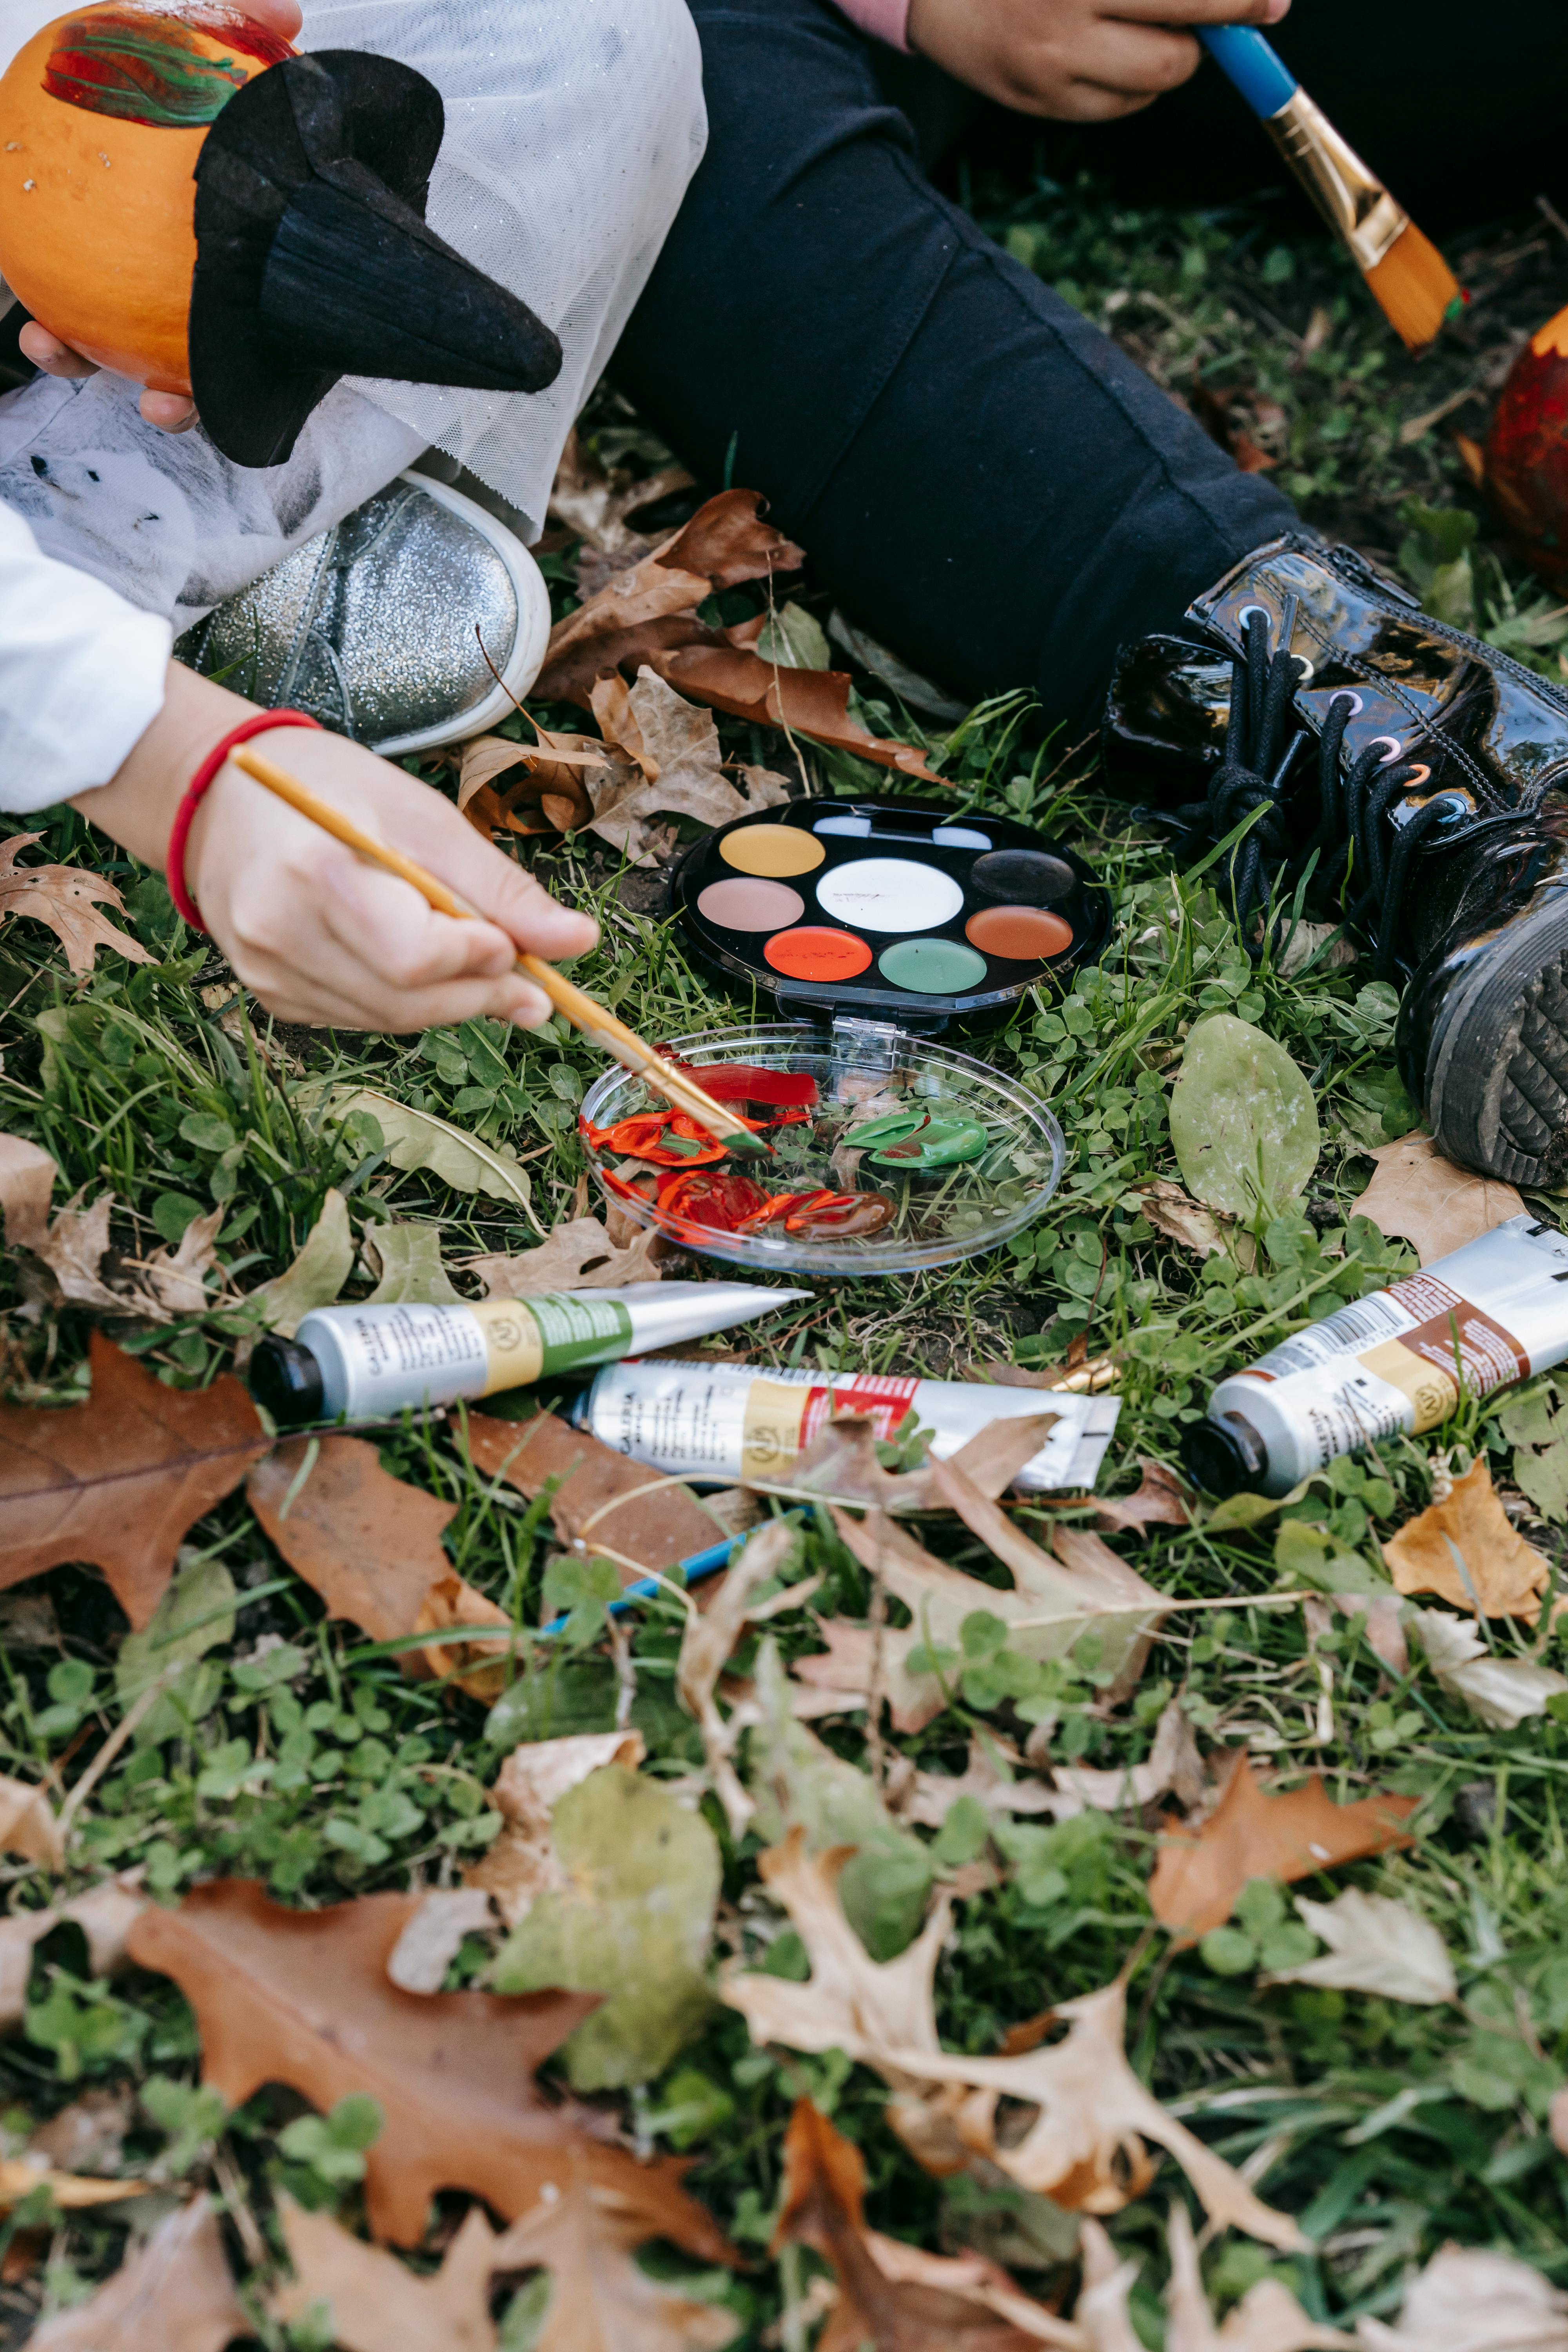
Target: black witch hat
[(313, 259)]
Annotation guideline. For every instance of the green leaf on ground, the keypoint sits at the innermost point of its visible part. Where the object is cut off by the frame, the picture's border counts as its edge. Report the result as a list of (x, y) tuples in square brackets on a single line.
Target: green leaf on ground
[(1243, 1121)]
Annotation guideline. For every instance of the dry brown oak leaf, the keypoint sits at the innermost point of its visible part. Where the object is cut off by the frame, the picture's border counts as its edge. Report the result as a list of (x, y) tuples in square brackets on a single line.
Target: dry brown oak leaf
[(1468, 1550), (1419, 1197), (371, 1546), (892, 2295), (28, 1824), (1086, 2145), (368, 1543), (303, 1997), (118, 1481), (1251, 1834), (605, 1508), (378, 2304), (65, 898), (601, 2301), (1159, 1501), (176, 2295), (649, 614)]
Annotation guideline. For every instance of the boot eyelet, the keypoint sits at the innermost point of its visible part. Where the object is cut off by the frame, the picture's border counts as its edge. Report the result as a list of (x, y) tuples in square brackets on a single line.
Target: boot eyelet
[(1309, 670), (1246, 613), (1348, 693), (1395, 750)]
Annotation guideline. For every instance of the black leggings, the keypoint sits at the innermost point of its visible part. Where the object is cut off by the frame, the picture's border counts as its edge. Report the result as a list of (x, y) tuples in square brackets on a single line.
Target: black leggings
[(983, 480)]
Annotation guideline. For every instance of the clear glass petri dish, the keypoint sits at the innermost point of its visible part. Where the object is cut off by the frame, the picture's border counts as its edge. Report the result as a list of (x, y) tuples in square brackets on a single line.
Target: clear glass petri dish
[(864, 1071)]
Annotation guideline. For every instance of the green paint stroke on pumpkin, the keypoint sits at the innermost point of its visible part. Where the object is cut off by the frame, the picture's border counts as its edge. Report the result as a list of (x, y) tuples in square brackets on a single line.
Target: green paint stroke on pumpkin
[(141, 67)]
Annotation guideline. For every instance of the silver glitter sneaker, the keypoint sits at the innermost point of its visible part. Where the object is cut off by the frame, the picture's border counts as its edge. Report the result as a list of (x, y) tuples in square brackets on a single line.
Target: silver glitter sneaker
[(374, 627)]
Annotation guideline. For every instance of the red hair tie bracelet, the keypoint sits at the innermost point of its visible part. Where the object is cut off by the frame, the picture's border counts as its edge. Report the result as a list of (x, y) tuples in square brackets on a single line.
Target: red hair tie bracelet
[(180, 831)]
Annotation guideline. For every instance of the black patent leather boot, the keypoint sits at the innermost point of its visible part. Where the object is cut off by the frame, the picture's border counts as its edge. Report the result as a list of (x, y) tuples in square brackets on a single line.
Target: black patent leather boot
[(1424, 777)]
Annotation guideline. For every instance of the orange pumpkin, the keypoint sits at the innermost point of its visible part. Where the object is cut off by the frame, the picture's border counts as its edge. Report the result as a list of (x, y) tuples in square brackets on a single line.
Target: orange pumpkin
[(102, 115)]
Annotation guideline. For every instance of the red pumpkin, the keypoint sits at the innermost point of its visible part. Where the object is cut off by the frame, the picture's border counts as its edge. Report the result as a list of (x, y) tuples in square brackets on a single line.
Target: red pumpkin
[(1527, 451), (102, 115)]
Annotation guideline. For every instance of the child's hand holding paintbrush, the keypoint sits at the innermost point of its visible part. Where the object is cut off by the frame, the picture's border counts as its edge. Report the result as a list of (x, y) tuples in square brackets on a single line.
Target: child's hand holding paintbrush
[(346, 893), (314, 932)]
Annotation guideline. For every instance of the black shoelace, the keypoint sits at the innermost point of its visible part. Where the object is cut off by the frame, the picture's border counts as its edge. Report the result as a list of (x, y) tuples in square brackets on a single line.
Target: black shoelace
[(1262, 746)]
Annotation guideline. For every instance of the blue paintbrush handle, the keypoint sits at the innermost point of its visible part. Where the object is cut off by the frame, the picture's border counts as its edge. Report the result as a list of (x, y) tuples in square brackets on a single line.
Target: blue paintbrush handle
[(1253, 64)]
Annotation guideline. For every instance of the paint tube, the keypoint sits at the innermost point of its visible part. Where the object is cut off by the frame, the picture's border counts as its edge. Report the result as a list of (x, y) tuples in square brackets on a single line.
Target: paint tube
[(725, 1422), (1491, 1313), (362, 1363)]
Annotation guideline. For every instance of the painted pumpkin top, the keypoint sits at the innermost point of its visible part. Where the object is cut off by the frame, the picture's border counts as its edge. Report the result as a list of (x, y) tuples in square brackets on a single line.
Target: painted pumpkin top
[(102, 115), (175, 203), (144, 61)]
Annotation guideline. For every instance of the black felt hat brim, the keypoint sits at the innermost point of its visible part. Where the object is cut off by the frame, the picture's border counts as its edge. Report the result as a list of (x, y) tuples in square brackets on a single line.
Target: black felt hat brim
[(314, 260)]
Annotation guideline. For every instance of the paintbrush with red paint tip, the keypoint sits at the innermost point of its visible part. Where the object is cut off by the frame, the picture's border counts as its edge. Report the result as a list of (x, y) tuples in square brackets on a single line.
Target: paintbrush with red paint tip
[(596, 1022), (1406, 275)]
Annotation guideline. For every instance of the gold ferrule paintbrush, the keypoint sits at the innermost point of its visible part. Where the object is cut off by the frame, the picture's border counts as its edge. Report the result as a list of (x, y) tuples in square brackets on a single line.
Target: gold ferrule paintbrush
[(1406, 275), (596, 1022)]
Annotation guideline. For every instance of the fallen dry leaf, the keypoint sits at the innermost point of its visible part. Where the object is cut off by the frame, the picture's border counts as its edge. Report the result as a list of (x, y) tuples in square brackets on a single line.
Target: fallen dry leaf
[(596, 504), (647, 617), (1173, 1767), (1469, 2300), (367, 1542), (1102, 2314), (929, 1797), (1180, 1218), (725, 543), (315, 1278), (1052, 1605), (522, 1864), (1251, 1834), (542, 787), (678, 767), (1268, 2318), (1501, 1692), (66, 899), (27, 1824), (88, 2136), (891, 2296), (1469, 1552), (434, 1937), (74, 1248), (585, 2234), (71, 2193), (1417, 1196), (706, 1643), (575, 1254), (104, 1914), (26, 1180), (1375, 1945), (605, 1508), (118, 1481), (177, 1278), (841, 1465), (1160, 1501), (1084, 2148), (378, 2303), (176, 2295), (304, 1999), (482, 1667)]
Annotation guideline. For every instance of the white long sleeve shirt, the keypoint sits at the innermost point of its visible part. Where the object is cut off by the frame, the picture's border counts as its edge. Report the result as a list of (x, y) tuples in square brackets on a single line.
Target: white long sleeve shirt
[(81, 674)]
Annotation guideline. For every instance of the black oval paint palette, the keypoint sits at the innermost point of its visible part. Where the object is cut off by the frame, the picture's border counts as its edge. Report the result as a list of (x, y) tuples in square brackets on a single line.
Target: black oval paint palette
[(889, 908)]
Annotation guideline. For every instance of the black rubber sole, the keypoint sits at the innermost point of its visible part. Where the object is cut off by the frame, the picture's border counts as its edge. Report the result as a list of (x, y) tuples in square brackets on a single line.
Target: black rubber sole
[(1497, 1071)]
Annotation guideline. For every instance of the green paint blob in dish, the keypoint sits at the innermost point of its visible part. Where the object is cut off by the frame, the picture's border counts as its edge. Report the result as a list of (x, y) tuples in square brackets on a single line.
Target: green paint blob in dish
[(942, 1143), (932, 966), (893, 1128)]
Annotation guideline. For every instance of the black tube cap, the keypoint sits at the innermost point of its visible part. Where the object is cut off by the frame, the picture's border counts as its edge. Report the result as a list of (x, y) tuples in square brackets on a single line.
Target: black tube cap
[(1224, 1456), (287, 1380)]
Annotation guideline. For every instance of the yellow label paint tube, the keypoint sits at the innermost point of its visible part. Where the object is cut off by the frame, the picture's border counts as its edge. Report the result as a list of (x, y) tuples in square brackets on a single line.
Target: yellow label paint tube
[(1491, 1313), (363, 1363), (724, 1421)]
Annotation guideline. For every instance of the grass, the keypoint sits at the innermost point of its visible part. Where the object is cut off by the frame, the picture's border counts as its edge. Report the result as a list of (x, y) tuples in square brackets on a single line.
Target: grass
[(317, 1767)]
